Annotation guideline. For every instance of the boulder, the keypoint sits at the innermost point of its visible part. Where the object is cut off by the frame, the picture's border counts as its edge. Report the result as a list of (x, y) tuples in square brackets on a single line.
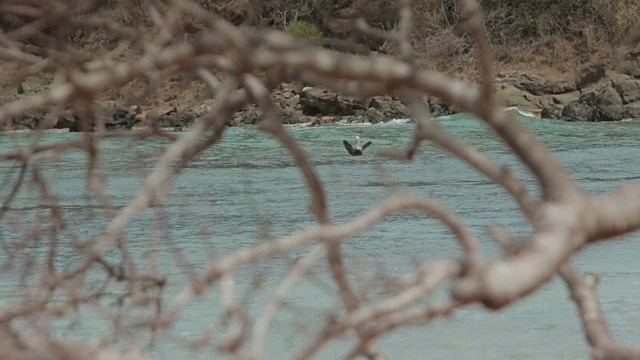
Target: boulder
[(551, 112), (177, 119), (374, 116), (607, 113), (560, 99), (290, 116), (119, 118), (247, 116), (26, 122), (288, 95), (609, 96), (590, 74), (514, 96), (628, 63), (577, 111), (438, 108), (68, 119), (627, 89), (390, 107), (320, 101), (541, 87)]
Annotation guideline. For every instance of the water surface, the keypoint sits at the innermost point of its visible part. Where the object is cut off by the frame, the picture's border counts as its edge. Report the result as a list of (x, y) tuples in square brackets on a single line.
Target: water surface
[(249, 184)]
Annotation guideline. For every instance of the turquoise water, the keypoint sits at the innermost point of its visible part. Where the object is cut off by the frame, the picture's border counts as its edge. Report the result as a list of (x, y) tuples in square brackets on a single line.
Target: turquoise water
[(248, 184)]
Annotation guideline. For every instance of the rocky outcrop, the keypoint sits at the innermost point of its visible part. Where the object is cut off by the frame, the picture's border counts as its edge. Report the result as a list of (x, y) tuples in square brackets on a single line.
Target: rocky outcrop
[(598, 93), (319, 106)]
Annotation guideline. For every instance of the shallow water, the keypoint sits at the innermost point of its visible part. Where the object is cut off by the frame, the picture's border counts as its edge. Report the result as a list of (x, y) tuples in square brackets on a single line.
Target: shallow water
[(248, 183)]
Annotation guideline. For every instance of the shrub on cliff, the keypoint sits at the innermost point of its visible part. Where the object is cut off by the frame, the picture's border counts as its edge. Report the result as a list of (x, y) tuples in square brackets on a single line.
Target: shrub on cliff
[(303, 30)]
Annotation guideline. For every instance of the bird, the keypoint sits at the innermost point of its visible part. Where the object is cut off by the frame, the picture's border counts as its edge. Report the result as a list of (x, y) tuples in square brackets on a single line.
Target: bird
[(357, 149)]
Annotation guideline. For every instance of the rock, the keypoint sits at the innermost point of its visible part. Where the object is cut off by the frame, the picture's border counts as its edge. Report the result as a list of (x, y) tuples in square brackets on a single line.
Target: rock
[(514, 96), (390, 107), (288, 95), (577, 111), (437, 108), (373, 115), (590, 74), (27, 122), (632, 111), (537, 87), (551, 112), (68, 119), (589, 98), (607, 113), (609, 96), (629, 63), (247, 116), (322, 120), (48, 121), (561, 99), (119, 119), (627, 89), (290, 116), (317, 100)]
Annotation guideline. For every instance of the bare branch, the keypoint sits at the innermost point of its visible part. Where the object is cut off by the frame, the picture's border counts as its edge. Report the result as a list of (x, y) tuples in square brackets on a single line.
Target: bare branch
[(597, 332)]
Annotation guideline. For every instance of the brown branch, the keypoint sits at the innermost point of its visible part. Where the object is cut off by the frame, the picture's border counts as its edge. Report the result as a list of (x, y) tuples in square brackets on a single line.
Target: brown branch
[(273, 126), (413, 318), (15, 189), (428, 129), (318, 204), (284, 289), (614, 214), (429, 277), (327, 233), (583, 293)]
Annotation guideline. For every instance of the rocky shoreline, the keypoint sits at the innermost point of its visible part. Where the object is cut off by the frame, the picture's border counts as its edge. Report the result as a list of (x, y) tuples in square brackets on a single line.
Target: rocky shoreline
[(600, 92)]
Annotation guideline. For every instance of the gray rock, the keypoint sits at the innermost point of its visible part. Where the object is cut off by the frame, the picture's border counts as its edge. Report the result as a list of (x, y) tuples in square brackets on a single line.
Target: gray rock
[(290, 116), (577, 111), (628, 90), (68, 119), (437, 108), (629, 63), (590, 74), (536, 87), (390, 107), (511, 95), (551, 112), (247, 116), (317, 100), (607, 113), (609, 96), (373, 116)]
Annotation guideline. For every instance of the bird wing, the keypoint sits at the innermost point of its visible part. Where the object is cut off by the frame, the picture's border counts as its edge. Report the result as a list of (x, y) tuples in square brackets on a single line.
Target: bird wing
[(348, 146), (366, 145)]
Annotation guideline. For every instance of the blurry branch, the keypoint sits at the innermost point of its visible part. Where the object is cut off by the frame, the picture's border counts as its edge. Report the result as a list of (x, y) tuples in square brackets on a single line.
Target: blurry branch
[(428, 129), (241, 66), (14, 190), (285, 288), (597, 332), (428, 278)]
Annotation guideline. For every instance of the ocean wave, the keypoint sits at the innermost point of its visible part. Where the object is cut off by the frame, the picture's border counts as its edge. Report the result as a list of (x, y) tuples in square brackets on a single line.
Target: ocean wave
[(520, 112), (347, 123), (400, 121)]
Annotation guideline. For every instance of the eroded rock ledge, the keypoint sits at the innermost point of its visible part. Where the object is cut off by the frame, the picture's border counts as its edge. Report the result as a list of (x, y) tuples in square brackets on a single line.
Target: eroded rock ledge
[(600, 92)]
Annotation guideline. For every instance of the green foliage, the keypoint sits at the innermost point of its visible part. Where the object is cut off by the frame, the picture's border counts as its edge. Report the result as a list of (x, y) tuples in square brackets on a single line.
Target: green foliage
[(303, 30)]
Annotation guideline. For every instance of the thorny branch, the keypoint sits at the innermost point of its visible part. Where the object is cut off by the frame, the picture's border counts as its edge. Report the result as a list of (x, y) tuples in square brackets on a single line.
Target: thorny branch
[(241, 66)]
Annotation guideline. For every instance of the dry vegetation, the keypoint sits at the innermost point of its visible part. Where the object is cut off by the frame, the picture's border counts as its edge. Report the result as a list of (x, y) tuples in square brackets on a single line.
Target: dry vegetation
[(239, 66)]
